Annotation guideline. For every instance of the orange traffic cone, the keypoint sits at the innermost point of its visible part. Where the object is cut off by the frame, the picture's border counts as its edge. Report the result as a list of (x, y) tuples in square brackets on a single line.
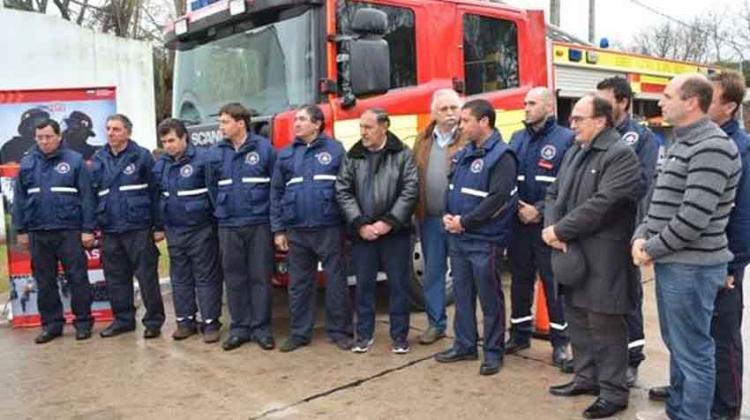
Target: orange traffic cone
[(541, 317)]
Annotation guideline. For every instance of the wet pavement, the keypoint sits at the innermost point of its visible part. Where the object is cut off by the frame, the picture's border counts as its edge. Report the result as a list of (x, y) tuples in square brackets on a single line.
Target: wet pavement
[(129, 377)]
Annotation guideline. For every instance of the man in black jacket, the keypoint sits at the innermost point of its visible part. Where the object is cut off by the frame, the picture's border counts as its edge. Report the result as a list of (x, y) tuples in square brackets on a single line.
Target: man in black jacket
[(377, 189), (589, 214)]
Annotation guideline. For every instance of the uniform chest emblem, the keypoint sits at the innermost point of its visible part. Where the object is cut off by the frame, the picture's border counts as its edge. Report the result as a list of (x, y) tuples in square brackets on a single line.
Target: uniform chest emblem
[(324, 158), (130, 169), (62, 168), (252, 158), (549, 152), (477, 165), (631, 138), (186, 171)]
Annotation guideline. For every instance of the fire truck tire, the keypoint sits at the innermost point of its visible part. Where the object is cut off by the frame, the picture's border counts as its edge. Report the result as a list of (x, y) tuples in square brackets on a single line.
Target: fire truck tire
[(416, 295)]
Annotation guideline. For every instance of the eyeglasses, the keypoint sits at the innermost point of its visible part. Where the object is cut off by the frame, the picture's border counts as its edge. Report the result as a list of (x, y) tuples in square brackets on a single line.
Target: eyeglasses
[(575, 119)]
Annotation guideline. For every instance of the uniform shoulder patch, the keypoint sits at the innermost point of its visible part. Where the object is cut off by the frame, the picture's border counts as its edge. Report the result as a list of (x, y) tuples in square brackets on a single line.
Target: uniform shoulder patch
[(549, 152), (631, 137), (477, 165), (62, 168)]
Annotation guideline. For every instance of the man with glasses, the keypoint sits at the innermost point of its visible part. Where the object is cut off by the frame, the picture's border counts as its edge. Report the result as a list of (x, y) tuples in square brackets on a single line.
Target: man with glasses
[(53, 214), (589, 217)]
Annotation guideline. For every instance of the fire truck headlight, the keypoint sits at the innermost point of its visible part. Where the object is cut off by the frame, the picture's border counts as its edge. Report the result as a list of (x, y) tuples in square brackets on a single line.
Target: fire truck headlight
[(181, 27), (237, 7)]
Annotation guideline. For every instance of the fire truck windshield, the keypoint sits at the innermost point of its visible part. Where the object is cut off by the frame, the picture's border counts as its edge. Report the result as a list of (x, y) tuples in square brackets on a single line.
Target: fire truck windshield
[(268, 69)]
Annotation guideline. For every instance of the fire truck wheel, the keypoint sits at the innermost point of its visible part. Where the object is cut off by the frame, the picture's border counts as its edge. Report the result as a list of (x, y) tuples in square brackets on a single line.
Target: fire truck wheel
[(416, 295)]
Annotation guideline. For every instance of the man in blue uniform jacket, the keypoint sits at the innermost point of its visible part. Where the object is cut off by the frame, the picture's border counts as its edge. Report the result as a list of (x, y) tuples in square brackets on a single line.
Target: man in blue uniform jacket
[(617, 91), (239, 183), (121, 174), (186, 213), (481, 204), (540, 148), (53, 214), (307, 222)]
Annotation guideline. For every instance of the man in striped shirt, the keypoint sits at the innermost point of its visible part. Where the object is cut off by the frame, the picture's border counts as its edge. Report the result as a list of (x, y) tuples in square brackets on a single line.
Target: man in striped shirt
[(684, 235)]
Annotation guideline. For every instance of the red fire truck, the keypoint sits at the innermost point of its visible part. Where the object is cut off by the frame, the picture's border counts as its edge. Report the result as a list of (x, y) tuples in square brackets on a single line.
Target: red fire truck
[(350, 55)]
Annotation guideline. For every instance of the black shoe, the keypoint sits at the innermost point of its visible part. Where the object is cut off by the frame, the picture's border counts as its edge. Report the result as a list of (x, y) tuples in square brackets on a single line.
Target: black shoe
[(292, 344), (232, 342), (716, 416), (516, 344), (602, 408), (46, 337), (659, 393), (114, 330), (568, 366), (266, 343), (631, 376), (83, 335), (452, 355), (571, 390), (149, 333), (343, 343), (490, 367), (184, 331), (560, 356)]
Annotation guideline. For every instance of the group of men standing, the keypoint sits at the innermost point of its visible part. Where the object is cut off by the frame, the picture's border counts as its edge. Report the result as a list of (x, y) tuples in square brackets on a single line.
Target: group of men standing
[(568, 204)]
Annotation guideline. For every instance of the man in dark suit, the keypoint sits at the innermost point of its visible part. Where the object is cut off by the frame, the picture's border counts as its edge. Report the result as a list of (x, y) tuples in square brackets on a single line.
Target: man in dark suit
[(589, 214)]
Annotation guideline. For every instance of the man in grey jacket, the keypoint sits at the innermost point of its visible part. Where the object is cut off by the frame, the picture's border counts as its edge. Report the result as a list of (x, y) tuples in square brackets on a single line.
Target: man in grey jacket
[(684, 235), (377, 189), (590, 216)]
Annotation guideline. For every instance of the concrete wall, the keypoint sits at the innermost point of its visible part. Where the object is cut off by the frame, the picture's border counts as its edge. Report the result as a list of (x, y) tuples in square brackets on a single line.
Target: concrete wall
[(40, 52)]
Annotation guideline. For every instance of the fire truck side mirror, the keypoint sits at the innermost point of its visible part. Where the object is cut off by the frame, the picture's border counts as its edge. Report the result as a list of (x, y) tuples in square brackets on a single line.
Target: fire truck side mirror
[(369, 56)]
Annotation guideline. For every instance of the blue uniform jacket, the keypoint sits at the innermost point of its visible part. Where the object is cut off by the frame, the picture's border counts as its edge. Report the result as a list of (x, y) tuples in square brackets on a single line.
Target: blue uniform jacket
[(125, 191), (182, 187), (539, 154), (642, 140), (53, 193), (738, 229), (239, 181), (303, 193), (470, 185)]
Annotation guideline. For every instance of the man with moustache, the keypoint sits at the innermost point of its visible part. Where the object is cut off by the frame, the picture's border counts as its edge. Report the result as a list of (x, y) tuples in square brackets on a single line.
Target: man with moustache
[(433, 149)]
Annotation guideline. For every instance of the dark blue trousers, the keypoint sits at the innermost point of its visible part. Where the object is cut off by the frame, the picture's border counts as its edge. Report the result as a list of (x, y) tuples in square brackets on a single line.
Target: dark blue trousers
[(47, 248), (726, 331), (476, 272), (247, 262), (306, 248), (528, 254), (393, 253), (636, 339), (195, 273), (129, 254)]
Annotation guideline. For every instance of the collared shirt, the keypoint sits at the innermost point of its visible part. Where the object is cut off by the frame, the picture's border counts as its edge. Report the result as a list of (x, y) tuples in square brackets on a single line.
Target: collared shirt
[(443, 140)]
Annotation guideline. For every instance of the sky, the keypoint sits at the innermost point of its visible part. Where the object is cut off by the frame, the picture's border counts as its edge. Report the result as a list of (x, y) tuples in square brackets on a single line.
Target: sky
[(620, 20)]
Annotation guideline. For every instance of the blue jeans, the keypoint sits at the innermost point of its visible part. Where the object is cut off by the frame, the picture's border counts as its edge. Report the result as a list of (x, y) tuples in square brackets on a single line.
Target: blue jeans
[(685, 297), (434, 241)]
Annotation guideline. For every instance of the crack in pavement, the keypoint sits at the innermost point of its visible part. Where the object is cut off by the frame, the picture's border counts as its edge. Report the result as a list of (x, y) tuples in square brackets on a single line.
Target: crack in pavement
[(357, 382), (361, 381)]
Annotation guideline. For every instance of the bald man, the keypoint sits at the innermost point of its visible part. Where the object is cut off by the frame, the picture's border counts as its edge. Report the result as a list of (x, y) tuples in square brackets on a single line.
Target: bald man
[(540, 148)]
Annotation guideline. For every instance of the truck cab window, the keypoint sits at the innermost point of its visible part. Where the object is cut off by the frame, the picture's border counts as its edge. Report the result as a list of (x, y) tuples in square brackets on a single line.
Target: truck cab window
[(490, 54), (400, 36)]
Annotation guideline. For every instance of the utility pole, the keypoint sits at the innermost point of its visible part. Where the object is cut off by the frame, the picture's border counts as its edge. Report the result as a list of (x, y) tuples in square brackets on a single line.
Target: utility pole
[(554, 12), (592, 22)]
